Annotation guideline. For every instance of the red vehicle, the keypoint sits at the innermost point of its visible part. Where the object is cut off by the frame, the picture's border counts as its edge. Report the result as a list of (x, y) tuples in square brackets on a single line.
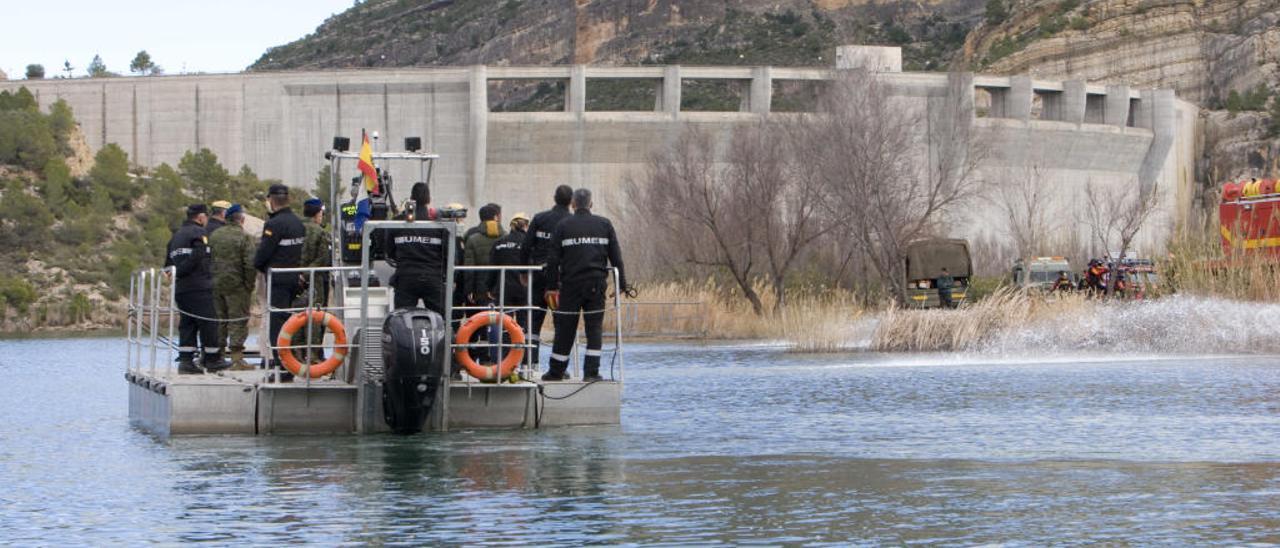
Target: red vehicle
[(1249, 214)]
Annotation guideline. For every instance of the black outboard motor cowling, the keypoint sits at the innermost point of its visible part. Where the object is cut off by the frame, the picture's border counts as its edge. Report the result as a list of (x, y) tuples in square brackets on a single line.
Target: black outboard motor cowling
[(414, 355)]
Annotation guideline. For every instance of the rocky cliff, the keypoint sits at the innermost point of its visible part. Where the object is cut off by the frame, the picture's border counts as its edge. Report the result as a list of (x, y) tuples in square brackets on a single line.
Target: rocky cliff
[(1205, 50), (1221, 55), (501, 32)]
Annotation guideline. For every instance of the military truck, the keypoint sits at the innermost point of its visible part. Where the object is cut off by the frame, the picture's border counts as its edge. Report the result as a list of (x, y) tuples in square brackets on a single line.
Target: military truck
[(1041, 273), (925, 261)]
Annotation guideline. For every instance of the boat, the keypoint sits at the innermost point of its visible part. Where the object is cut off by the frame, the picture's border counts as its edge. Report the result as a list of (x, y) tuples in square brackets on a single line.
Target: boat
[(394, 375)]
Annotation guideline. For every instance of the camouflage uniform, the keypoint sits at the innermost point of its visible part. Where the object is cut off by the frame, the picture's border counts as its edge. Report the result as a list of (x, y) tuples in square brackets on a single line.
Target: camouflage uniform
[(233, 281), (317, 251)]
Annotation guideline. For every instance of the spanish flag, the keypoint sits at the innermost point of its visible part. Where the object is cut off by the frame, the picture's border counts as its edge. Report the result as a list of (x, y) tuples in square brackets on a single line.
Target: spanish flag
[(366, 165)]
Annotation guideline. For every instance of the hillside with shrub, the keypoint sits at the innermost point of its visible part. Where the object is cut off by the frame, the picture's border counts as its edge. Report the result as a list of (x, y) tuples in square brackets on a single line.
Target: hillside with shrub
[(68, 240)]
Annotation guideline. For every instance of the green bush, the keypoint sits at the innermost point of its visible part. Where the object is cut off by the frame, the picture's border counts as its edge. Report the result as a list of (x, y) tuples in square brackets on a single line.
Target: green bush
[(1234, 102), (56, 185), (1273, 122), (17, 292), (204, 175), (79, 308), (997, 11), (110, 175), (1256, 97), (24, 219)]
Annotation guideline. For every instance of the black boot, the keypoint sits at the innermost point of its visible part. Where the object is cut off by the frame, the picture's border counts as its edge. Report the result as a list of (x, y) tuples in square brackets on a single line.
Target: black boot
[(589, 375), (214, 363), (187, 365)]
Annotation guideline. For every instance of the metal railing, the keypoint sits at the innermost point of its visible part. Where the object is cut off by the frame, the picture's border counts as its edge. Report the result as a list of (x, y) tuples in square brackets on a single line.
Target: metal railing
[(309, 306), (151, 305), (153, 314), (527, 369)]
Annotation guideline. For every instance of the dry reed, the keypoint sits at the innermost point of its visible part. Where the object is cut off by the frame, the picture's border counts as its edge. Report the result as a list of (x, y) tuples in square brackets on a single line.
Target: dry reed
[(1199, 268), (814, 318), (972, 326)]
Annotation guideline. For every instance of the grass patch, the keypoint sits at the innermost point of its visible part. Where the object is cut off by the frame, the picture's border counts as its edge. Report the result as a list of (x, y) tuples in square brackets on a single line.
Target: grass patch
[(816, 319)]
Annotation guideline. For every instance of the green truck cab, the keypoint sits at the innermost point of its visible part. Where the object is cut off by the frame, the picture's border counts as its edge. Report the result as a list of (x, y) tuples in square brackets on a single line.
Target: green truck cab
[(1041, 273), (925, 261)]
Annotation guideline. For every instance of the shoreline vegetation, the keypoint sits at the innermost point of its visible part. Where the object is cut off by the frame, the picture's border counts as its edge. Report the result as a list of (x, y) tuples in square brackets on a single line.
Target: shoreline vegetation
[(818, 319), (836, 320)]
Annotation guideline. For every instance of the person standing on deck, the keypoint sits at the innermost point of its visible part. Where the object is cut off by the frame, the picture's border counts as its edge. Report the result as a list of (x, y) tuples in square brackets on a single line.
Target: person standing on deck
[(188, 253), (583, 246), (419, 256), (511, 288), (477, 250), (217, 216), (535, 251), (233, 281), (281, 247), (317, 252), (945, 283)]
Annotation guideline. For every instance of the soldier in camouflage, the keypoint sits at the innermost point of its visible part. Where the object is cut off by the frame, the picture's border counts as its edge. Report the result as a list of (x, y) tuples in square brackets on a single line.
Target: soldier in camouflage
[(317, 251), (233, 281)]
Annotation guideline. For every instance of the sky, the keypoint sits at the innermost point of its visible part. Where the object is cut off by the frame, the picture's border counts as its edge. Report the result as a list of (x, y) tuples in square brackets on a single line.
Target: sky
[(181, 35)]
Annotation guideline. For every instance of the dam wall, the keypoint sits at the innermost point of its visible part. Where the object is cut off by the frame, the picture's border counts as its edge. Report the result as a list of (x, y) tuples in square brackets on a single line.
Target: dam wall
[(279, 124)]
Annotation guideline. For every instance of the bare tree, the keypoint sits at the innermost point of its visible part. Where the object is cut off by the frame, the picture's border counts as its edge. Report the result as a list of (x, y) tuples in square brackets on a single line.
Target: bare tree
[(1021, 196), (783, 194), (1115, 214), (752, 209), (891, 170), (687, 197)]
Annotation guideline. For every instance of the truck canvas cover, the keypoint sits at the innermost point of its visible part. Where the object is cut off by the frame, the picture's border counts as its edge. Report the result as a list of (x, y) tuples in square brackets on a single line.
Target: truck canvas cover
[(927, 258)]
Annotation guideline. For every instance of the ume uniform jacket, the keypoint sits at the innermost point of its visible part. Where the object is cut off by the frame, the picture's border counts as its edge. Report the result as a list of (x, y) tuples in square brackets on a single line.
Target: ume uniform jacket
[(282, 239), (188, 252), (583, 247)]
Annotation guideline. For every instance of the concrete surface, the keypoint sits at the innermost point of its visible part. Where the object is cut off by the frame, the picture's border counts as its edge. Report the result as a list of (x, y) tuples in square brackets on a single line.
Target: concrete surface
[(279, 124)]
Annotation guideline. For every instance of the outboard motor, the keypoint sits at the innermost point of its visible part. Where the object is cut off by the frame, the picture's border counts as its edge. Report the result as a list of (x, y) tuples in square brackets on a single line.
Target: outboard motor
[(414, 355)]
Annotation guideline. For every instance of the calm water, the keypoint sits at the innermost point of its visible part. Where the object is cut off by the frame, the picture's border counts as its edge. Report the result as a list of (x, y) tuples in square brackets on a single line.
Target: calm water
[(719, 445)]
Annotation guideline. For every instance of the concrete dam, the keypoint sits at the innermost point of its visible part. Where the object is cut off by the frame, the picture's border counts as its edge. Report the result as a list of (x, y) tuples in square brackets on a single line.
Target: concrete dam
[(280, 123)]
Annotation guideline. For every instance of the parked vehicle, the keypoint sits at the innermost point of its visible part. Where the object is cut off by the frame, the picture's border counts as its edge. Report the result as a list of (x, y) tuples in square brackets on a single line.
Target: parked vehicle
[(926, 260), (1249, 218), (1042, 273)]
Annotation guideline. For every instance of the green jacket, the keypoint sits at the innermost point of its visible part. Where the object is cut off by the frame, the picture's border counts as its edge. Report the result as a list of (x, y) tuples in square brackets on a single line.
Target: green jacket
[(232, 251), (317, 247), (476, 251)]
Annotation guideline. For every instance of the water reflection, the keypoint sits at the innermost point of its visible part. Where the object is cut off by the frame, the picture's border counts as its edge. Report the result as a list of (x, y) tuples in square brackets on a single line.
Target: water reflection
[(748, 445)]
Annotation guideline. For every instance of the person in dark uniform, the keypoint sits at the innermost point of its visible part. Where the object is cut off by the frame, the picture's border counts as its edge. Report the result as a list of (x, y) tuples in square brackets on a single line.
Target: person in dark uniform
[(188, 253), (536, 249), (419, 256), (945, 283), (583, 246), (510, 289), (506, 252), (217, 216), (281, 247)]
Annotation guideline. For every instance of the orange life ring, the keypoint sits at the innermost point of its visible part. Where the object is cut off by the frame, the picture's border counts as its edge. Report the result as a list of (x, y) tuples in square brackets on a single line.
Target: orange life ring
[(285, 341), (489, 373)]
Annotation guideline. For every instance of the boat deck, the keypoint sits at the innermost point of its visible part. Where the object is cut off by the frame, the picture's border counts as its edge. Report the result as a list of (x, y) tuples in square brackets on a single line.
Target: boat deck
[(246, 402)]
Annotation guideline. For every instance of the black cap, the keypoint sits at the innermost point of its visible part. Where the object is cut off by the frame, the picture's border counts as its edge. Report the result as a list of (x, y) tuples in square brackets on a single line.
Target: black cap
[(196, 209), (278, 189)]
